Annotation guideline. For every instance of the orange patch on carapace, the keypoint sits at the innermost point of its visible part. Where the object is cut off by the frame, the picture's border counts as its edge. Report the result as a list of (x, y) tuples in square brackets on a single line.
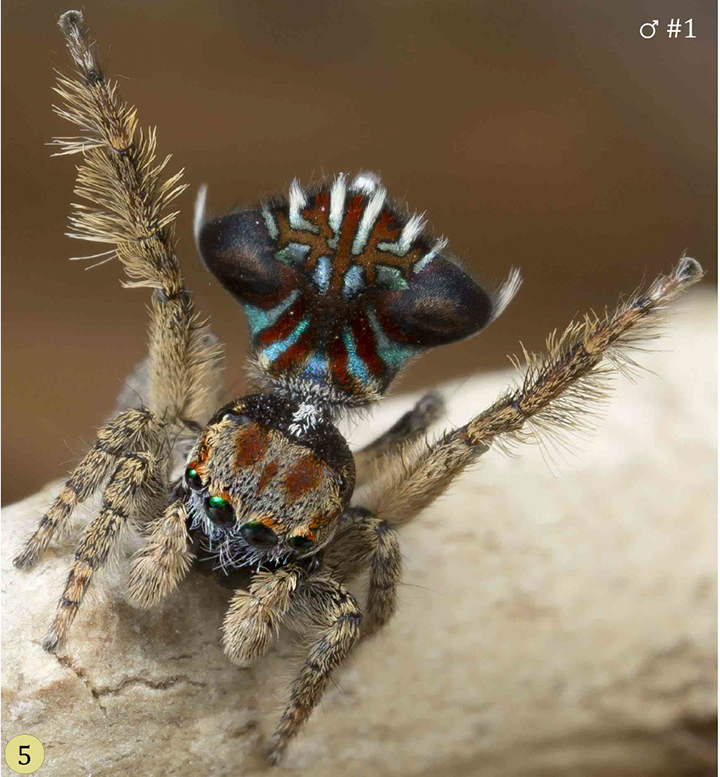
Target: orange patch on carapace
[(305, 475), (318, 522), (251, 445), (202, 454), (268, 473)]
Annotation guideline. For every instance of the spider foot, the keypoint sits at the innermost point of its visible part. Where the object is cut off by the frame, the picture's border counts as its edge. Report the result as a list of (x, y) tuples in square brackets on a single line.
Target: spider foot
[(51, 642), (275, 751), (26, 560)]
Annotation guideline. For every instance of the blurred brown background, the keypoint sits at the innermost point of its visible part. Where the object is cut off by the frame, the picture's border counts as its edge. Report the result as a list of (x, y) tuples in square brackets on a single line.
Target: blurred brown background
[(547, 135)]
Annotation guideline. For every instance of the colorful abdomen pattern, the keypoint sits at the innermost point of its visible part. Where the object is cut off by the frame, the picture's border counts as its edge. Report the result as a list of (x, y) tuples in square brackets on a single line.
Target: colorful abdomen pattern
[(340, 288)]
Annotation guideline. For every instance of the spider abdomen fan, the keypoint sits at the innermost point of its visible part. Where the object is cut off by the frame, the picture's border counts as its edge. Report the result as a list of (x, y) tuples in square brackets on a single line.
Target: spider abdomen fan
[(341, 288)]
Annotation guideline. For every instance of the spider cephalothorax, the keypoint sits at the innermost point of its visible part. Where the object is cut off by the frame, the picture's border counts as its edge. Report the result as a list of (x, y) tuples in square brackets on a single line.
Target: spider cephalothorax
[(268, 480), (340, 289)]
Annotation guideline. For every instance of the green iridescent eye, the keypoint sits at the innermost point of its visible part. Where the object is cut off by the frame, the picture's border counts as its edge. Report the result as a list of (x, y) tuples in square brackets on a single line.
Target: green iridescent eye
[(193, 479), (300, 543), (220, 511)]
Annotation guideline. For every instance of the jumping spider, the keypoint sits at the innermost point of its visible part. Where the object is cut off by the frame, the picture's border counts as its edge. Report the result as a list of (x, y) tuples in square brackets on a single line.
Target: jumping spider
[(340, 289)]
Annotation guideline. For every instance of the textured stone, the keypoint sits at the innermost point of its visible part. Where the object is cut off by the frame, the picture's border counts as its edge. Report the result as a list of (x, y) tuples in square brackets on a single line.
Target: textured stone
[(558, 617)]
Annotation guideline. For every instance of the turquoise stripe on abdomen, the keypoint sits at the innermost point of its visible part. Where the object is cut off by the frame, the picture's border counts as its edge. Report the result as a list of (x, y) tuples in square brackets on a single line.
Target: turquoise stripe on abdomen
[(276, 349)]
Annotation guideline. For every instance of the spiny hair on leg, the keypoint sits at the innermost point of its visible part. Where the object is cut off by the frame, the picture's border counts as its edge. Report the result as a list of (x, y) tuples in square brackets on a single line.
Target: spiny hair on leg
[(565, 388), (560, 393)]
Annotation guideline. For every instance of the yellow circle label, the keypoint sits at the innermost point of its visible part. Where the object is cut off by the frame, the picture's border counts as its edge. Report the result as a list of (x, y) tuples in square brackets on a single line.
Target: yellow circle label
[(24, 754)]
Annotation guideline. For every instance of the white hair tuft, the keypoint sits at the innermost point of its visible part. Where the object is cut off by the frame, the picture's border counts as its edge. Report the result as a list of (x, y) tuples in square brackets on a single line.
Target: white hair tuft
[(199, 212), (366, 182), (503, 296)]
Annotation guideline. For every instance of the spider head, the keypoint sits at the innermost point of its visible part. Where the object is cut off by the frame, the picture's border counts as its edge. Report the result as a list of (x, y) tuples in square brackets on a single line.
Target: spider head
[(268, 479)]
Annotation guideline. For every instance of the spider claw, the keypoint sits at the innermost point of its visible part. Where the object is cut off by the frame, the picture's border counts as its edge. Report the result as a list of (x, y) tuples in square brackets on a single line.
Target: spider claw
[(688, 269), (431, 407), (51, 642), (25, 560), (275, 752)]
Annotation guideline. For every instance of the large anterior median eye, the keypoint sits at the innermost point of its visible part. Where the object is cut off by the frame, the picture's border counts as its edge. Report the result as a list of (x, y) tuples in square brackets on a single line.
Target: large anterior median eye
[(300, 543), (256, 533), (220, 511)]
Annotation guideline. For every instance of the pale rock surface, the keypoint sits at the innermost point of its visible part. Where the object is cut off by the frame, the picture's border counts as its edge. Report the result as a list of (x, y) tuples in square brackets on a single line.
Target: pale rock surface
[(558, 618)]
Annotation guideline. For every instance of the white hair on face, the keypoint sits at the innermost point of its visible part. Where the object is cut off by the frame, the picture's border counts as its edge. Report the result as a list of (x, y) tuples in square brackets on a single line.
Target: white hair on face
[(337, 202), (372, 211), (199, 212), (297, 203), (503, 296), (366, 182)]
